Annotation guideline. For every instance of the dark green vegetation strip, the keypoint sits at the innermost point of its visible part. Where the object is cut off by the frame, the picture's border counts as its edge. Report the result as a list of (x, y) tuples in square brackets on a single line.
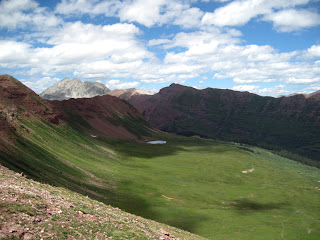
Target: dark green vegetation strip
[(39, 102), (191, 183)]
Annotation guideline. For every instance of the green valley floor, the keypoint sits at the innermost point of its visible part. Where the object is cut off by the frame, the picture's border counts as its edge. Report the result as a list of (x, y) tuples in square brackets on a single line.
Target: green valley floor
[(217, 190)]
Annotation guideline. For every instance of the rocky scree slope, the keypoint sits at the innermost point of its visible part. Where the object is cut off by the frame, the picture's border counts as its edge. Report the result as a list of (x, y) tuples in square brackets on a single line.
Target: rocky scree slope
[(74, 88), (290, 123)]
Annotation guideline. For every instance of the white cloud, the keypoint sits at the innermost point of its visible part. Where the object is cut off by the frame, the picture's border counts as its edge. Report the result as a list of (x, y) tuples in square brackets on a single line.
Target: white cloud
[(221, 1), (159, 12), (270, 91), (236, 13), (239, 12), (216, 0), (148, 13), (92, 7), (199, 43), (143, 12), (220, 52), (86, 50), (274, 91), (189, 18), (117, 84), (22, 13), (245, 88), (156, 42), (14, 54), (17, 5), (79, 32), (291, 20), (179, 68), (312, 88), (120, 51), (303, 80), (40, 84), (314, 51)]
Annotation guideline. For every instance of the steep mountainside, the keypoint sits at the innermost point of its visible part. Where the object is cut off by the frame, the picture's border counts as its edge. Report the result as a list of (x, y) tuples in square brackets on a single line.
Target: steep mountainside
[(125, 94), (74, 88), (102, 115), (292, 123), (105, 116), (18, 101)]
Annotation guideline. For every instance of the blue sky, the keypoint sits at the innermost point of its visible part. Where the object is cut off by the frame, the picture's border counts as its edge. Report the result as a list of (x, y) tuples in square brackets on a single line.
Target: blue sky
[(268, 47)]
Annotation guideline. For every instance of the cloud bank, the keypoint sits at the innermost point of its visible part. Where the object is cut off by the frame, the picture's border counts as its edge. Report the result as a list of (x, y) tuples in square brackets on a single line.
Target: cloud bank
[(44, 43)]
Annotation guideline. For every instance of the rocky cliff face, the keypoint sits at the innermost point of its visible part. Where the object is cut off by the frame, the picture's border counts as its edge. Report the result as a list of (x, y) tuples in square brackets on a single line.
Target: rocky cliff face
[(290, 122), (74, 88)]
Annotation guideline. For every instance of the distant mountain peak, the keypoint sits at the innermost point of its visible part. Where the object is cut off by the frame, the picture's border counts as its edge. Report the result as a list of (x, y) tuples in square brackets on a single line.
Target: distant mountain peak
[(314, 93), (74, 88), (128, 93)]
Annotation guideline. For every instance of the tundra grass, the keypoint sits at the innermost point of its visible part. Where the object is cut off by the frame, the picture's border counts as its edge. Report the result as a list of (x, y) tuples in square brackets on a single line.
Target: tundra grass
[(194, 184)]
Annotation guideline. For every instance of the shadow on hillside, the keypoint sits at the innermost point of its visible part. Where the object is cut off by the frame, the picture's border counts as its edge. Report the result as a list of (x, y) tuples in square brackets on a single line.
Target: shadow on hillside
[(38, 169), (132, 203), (245, 205), (174, 144)]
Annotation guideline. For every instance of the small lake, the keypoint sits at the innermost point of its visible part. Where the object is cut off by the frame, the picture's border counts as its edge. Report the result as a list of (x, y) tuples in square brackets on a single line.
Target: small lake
[(157, 142)]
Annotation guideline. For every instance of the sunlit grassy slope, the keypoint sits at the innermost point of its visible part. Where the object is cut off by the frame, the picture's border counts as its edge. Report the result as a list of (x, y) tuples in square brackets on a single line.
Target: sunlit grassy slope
[(190, 183)]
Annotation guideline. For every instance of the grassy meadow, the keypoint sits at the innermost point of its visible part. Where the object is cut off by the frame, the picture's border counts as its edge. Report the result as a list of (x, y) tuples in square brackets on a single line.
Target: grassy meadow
[(190, 183)]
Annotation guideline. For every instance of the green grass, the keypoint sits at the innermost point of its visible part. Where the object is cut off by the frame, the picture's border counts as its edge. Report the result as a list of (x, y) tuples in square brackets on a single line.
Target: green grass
[(39, 211), (190, 183), (214, 198), (40, 103), (16, 207)]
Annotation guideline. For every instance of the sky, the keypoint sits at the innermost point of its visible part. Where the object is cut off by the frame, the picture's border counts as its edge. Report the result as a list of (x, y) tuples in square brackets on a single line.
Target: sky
[(267, 47)]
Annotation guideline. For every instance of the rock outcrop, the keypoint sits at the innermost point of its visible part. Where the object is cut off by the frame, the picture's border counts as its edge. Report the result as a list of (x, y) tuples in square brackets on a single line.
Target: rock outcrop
[(74, 88)]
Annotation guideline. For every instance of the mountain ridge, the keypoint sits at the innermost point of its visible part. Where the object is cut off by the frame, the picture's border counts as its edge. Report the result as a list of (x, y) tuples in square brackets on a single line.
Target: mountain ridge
[(292, 122), (112, 118)]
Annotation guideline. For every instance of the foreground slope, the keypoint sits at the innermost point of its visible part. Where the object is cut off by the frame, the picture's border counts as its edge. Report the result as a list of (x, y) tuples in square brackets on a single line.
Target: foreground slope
[(291, 123), (215, 189), (30, 210)]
